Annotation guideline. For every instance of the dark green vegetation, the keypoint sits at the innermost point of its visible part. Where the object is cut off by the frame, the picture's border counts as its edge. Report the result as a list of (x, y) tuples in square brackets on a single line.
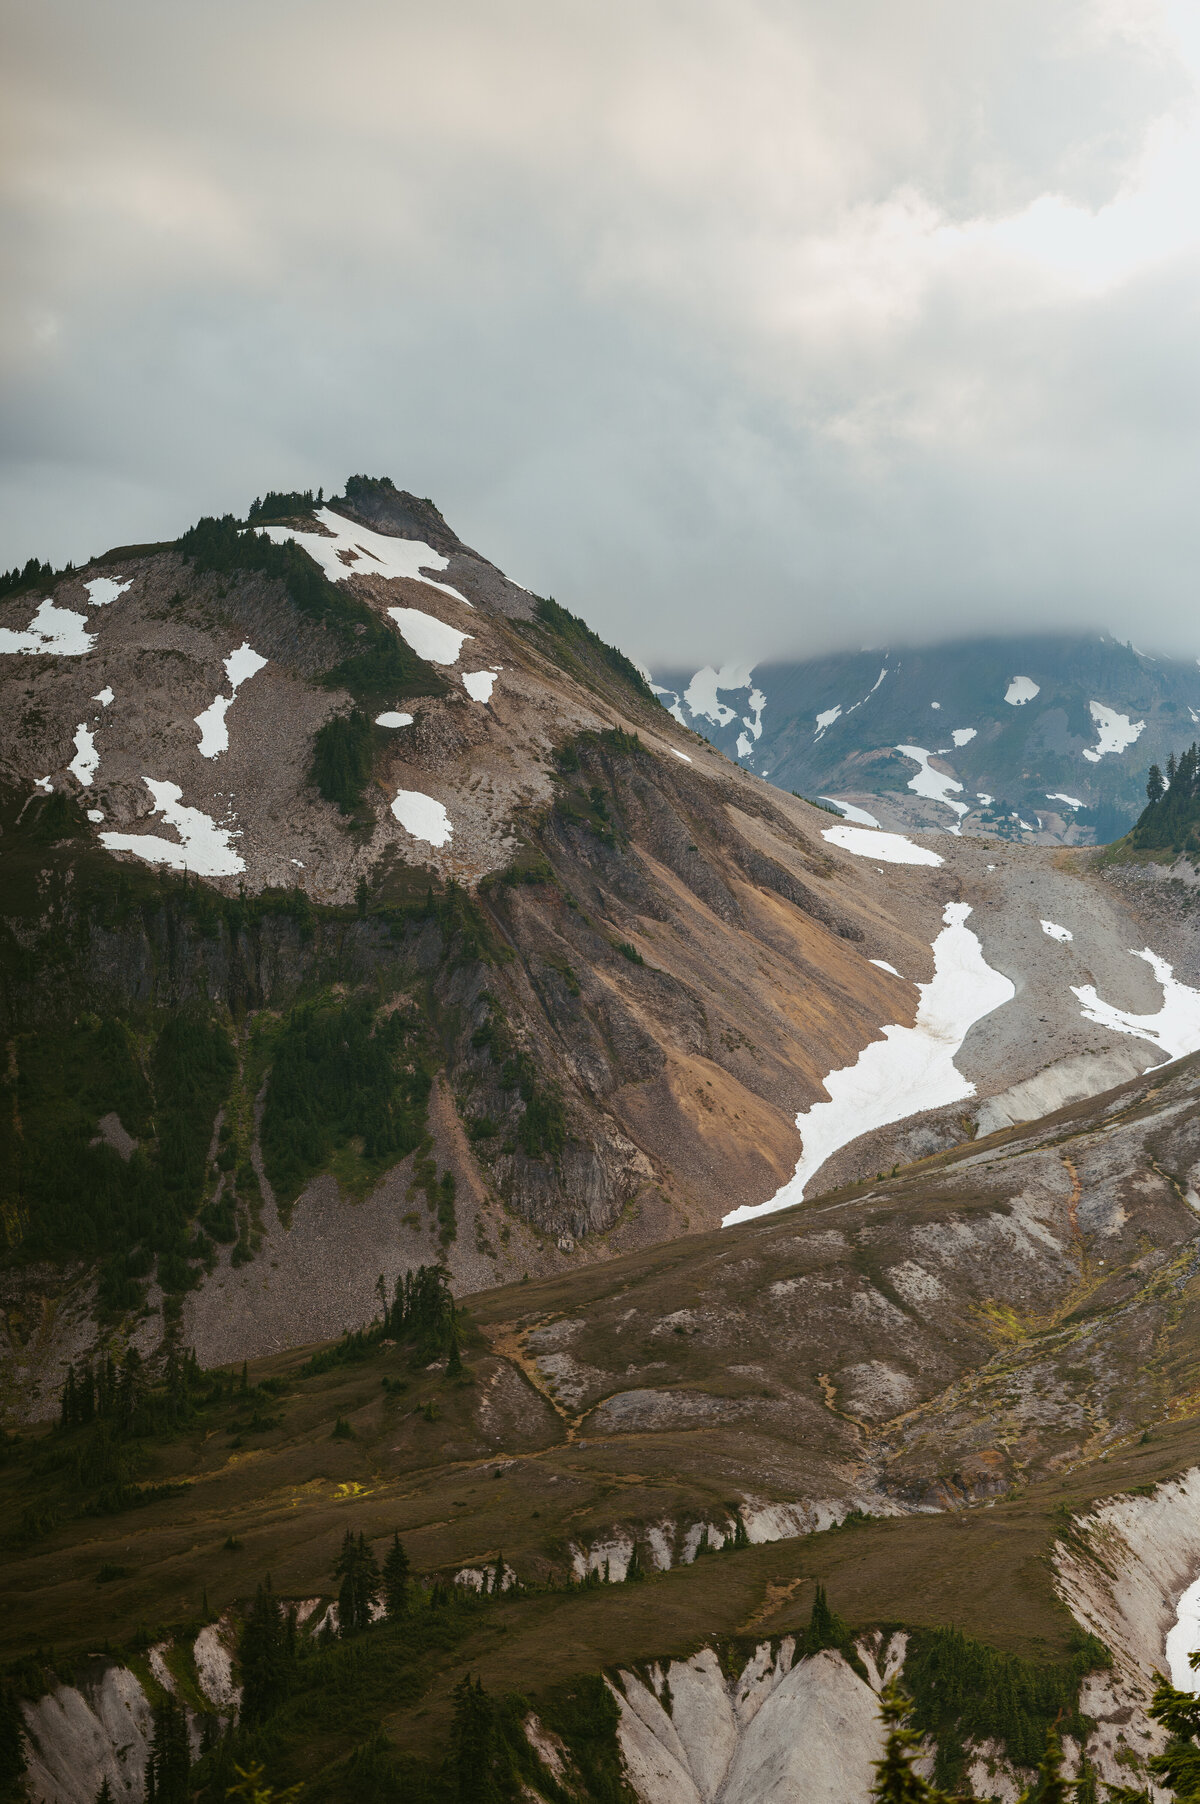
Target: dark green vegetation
[(578, 649), (285, 505), (375, 663), (1170, 822), (31, 575), (964, 1690), (343, 752)]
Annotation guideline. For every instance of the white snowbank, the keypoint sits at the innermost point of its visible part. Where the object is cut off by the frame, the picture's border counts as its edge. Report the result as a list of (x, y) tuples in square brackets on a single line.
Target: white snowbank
[(393, 719), (1021, 690), (934, 785), (430, 638), (826, 720), (986, 800), (422, 816), (1056, 932), (935, 704), (479, 683), (851, 812), (105, 696), (357, 551), (910, 1069), (964, 735), (59, 631), (1176, 1026), (1116, 732), (1071, 801), (701, 693), (202, 847), (214, 734), (892, 848), (884, 966), (744, 746), (1183, 1639), (95, 814), (681, 755), (103, 589), (84, 764)]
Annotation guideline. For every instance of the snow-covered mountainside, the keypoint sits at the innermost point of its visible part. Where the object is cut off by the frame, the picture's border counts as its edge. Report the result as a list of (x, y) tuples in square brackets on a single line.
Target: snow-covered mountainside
[(1041, 740), (359, 909)]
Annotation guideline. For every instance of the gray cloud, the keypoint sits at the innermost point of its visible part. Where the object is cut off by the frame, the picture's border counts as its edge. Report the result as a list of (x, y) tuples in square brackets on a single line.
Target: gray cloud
[(743, 327)]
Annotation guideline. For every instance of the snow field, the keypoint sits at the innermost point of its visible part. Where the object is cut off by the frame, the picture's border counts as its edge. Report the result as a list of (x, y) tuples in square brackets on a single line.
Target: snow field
[(240, 665), (429, 637), (84, 764), (1175, 1028), (357, 551), (1116, 732), (964, 735), (1022, 689), (893, 848), (1056, 932), (103, 590), (59, 631), (393, 719), (1183, 1638), (1071, 801), (479, 684), (826, 720), (701, 693), (911, 1069), (851, 813), (422, 816), (202, 847), (932, 784)]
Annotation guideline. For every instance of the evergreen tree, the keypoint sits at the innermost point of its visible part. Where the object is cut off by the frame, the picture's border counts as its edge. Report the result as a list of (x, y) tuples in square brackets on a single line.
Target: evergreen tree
[(1156, 789), (170, 1755), (12, 1739), (395, 1579), (104, 1795), (473, 1744), (635, 1571), (1051, 1787), (1178, 1768), (896, 1778), (265, 1654), (358, 1573), (825, 1626)]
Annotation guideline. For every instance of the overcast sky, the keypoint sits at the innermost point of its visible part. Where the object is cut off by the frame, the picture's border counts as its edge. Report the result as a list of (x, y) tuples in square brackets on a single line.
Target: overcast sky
[(743, 327)]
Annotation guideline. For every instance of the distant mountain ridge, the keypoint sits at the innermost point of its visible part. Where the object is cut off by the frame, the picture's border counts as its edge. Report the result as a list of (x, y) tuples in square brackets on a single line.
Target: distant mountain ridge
[(1045, 739)]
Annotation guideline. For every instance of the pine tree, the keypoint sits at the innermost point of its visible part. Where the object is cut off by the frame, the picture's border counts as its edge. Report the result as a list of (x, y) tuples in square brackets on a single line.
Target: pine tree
[(1156, 789), (395, 1579), (1051, 1787), (635, 1571), (104, 1795), (265, 1656), (896, 1778), (170, 1755), (358, 1572), (473, 1744), (825, 1626)]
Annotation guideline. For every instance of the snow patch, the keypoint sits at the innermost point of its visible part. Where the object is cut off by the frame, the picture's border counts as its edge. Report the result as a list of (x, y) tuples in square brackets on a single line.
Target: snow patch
[(851, 813), (826, 720), (1071, 801), (934, 785), (102, 590), (240, 665), (393, 719), (353, 550), (910, 1069), (479, 683), (1022, 689), (430, 638), (680, 755), (884, 966), (422, 816), (202, 847), (1116, 732), (1056, 932), (1176, 1026), (86, 761), (701, 693), (95, 814), (893, 848), (105, 697), (963, 735), (59, 631)]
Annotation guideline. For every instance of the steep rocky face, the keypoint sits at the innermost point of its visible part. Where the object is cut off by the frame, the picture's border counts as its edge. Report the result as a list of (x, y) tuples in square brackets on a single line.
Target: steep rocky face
[(1038, 740)]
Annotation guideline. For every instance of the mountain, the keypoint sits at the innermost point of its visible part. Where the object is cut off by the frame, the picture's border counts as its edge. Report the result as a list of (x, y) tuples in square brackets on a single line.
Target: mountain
[(355, 917), (1043, 740)]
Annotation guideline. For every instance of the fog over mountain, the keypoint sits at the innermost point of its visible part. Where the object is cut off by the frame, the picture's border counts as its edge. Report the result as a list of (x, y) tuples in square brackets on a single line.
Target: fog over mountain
[(864, 324)]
